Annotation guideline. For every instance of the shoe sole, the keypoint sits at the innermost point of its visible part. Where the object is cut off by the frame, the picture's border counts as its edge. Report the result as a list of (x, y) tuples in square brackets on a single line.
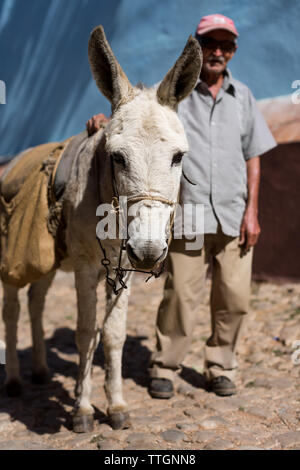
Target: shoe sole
[(225, 393), (164, 395)]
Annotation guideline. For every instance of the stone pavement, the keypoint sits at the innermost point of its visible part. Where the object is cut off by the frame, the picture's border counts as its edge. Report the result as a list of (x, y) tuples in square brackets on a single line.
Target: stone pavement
[(265, 414)]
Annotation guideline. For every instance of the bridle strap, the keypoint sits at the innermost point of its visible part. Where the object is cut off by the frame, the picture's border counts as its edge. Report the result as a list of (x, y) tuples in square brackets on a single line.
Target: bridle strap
[(148, 197), (119, 270)]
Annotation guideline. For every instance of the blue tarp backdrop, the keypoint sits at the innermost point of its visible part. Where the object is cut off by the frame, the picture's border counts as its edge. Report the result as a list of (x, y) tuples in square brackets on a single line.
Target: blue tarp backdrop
[(43, 47)]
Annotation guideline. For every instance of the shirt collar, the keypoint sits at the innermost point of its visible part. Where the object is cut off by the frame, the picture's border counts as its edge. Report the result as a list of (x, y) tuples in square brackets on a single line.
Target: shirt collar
[(227, 85)]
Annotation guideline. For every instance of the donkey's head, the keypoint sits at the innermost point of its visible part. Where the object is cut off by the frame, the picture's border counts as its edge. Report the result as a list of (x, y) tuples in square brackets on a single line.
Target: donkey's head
[(145, 141)]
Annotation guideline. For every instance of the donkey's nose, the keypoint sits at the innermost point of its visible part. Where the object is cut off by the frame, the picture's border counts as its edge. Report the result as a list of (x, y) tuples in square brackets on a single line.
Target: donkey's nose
[(145, 257)]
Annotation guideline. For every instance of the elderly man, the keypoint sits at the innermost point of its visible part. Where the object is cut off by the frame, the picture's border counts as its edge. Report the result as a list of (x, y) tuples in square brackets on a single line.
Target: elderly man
[(226, 134)]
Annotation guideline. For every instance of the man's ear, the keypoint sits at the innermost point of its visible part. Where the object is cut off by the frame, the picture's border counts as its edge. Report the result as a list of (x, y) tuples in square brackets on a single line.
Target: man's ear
[(182, 77), (107, 72)]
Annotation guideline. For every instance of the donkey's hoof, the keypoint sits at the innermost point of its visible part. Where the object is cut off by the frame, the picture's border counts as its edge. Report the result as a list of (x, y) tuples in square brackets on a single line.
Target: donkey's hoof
[(83, 423), (14, 388), (41, 377), (119, 420)]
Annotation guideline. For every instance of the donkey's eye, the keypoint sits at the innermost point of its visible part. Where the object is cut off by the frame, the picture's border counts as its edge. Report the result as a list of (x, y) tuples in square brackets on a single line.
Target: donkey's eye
[(118, 158), (177, 158)]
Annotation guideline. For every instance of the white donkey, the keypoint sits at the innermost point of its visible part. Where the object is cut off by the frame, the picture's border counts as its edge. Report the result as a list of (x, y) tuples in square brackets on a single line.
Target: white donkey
[(138, 156)]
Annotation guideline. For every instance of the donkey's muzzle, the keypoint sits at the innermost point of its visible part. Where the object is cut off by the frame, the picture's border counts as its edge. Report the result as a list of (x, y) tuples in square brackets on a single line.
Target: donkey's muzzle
[(147, 256)]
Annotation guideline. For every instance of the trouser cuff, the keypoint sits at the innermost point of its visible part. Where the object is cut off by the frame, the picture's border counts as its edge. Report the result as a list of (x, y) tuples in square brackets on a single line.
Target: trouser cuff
[(160, 373), (213, 372)]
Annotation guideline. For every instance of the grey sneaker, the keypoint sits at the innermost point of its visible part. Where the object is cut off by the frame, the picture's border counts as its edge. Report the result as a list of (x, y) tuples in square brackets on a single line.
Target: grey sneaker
[(161, 388), (222, 386)]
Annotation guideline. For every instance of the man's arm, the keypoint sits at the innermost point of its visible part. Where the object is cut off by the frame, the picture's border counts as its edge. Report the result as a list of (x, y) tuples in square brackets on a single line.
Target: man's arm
[(250, 228)]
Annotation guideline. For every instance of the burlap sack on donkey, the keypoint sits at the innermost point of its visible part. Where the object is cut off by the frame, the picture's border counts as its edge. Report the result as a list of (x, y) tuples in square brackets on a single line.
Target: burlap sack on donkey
[(28, 239)]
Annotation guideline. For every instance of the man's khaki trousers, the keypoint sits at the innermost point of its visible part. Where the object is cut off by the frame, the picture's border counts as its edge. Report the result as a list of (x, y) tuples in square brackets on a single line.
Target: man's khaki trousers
[(229, 302)]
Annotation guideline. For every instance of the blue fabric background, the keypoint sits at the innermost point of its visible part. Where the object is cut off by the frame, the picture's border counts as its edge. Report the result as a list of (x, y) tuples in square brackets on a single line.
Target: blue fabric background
[(43, 50)]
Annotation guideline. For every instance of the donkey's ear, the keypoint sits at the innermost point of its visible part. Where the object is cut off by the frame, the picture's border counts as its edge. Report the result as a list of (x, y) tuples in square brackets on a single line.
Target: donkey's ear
[(107, 72), (182, 77)]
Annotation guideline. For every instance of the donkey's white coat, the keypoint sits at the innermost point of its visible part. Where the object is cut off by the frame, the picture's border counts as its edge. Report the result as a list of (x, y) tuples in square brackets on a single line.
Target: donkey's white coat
[(147, 133)]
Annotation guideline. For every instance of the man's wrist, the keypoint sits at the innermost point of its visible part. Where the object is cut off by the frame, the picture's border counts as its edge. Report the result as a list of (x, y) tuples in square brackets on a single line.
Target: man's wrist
[(252, 208)]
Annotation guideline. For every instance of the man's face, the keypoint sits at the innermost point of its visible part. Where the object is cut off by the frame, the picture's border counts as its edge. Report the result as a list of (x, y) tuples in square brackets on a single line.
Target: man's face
[(218, 48)]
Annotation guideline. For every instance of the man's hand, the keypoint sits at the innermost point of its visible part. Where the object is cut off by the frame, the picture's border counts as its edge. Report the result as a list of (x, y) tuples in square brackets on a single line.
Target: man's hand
[(96, 123), (250, 230)]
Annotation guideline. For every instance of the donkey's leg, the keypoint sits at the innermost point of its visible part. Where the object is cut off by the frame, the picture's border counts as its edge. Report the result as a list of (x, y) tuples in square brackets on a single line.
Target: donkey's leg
[(10, 312), (114, 335), (87, 338), (36, 301)]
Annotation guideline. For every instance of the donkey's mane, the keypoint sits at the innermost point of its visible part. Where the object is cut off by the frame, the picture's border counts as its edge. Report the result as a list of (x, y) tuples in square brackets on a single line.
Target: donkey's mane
[(141, 86)]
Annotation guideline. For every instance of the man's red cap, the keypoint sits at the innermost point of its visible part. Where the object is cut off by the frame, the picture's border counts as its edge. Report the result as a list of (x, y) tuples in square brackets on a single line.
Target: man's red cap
[(212, 22)]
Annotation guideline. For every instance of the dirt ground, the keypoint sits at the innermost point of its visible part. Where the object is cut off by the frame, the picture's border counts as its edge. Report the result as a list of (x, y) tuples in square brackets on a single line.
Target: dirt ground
[(265, 413)]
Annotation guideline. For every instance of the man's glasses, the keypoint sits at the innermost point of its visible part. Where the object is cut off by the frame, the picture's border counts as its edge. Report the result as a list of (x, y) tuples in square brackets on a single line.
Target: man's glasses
[(212, 44)]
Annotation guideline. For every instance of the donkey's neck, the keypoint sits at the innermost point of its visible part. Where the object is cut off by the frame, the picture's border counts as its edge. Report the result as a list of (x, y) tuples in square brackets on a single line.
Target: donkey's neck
[(88, 165)]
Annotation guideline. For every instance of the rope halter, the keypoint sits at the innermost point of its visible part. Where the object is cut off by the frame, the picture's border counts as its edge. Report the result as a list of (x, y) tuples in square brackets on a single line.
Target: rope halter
[(120, 272)]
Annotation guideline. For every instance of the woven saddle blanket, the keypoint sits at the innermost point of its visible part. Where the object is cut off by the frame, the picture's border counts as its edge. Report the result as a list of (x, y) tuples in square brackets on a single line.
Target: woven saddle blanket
[(31, 190), (22, 166)]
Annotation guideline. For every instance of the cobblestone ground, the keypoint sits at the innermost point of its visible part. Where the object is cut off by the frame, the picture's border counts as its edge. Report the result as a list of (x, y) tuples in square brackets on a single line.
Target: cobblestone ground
[(265, 413)]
